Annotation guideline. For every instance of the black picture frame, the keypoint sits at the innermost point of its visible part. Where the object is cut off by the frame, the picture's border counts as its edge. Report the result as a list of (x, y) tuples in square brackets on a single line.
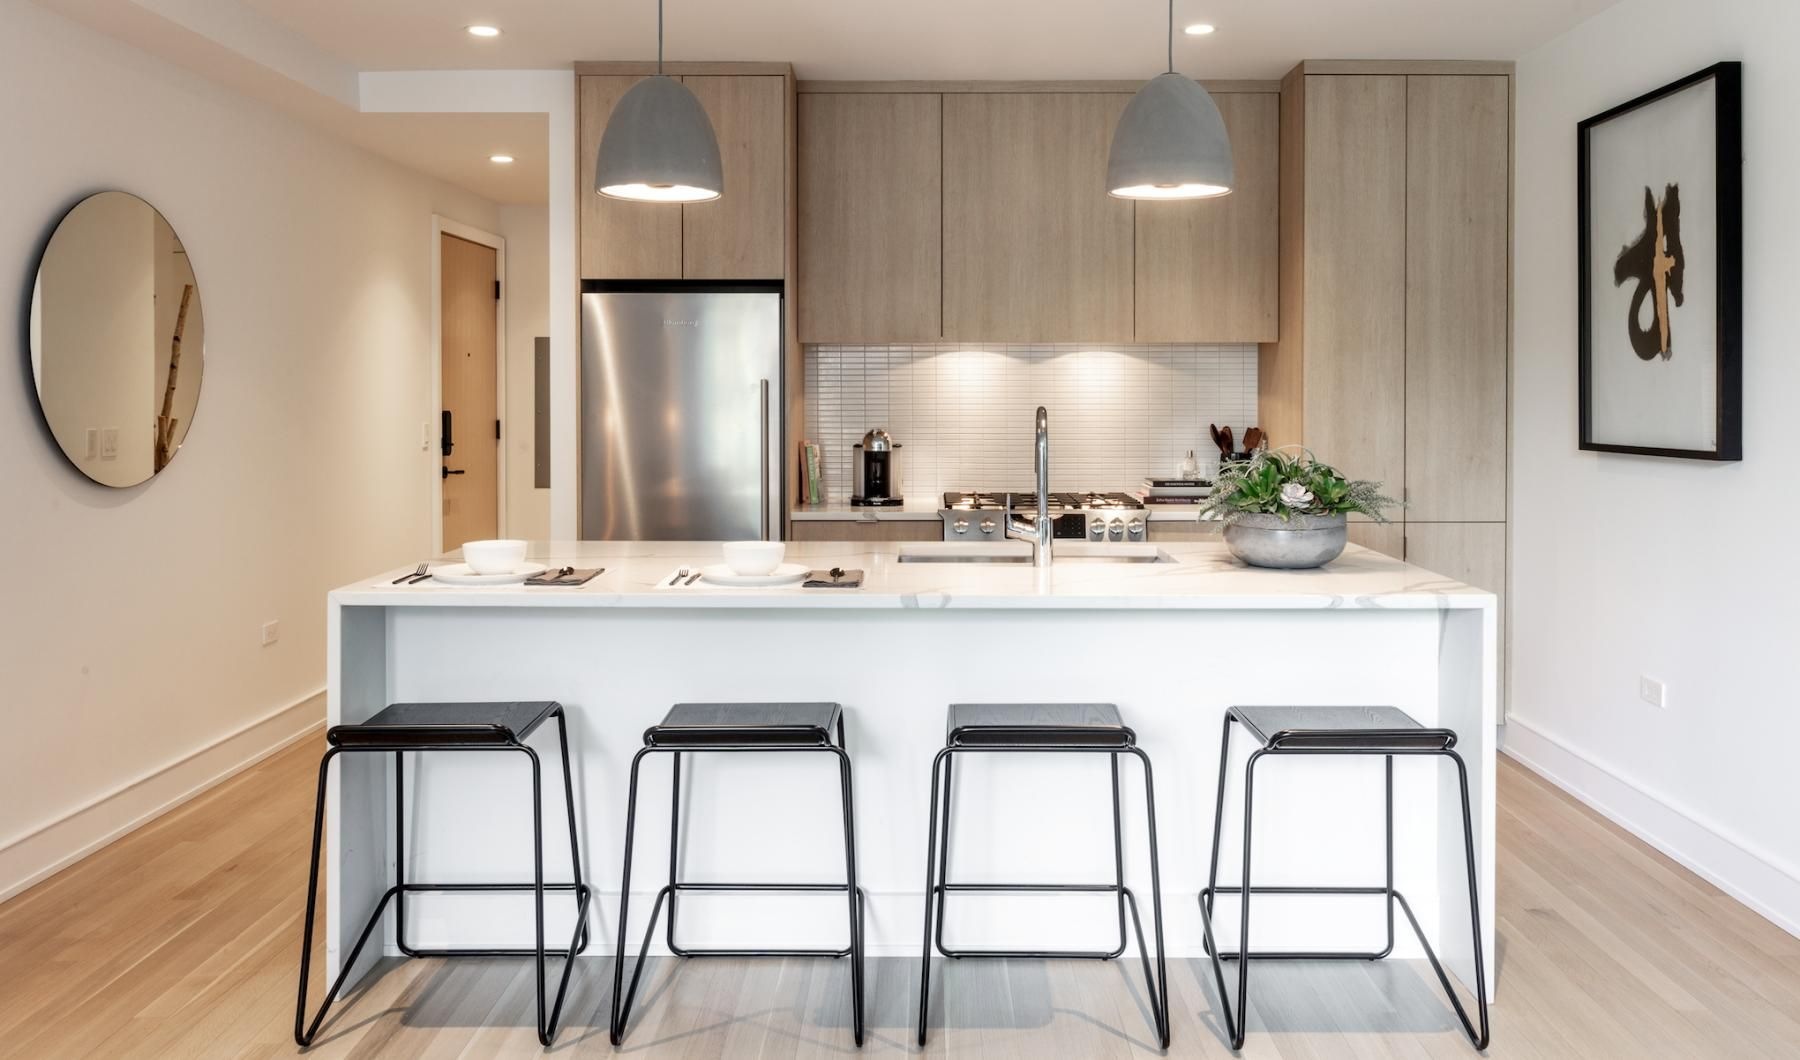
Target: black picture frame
[(1728, 143)]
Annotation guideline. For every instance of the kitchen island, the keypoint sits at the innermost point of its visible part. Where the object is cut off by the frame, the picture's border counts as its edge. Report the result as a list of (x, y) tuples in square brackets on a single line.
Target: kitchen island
[(1173, 642)]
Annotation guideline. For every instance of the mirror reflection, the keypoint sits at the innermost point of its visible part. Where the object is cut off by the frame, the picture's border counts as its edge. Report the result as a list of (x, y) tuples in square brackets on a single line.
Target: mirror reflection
[(117, 339)]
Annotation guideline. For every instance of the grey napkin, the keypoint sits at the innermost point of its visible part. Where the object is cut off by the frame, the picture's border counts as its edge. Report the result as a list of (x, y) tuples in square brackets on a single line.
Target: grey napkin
[(835, 578), (566, 576)]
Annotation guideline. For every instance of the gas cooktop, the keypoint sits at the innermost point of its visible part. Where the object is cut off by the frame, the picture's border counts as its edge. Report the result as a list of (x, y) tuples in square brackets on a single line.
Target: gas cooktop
[(1026, 501)]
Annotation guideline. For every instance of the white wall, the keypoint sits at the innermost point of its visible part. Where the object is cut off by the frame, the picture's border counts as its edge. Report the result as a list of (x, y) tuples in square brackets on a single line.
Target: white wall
[(527, 233), (130, 664), (1629, 565)]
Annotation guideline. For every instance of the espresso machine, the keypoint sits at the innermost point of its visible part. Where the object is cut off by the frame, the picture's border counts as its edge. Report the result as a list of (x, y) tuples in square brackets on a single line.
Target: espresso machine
[(875, 463)]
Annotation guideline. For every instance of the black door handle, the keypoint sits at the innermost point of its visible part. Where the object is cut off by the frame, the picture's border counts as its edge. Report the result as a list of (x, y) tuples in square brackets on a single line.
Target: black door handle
[(448, 472)]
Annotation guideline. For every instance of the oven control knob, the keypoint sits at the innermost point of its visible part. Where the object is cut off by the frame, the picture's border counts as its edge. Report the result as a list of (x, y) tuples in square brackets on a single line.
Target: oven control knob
[(1117, 526), (1097, 529), (961, 526), (1135, 528), (988, 526)]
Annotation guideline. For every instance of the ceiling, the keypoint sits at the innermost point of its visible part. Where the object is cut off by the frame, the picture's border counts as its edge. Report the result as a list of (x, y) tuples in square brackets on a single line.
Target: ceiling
[(308, 56), (928, 39), (455, 148)]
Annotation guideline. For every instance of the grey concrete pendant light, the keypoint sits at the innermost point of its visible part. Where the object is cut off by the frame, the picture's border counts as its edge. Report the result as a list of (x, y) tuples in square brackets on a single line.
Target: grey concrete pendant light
[(1170, 142), (659, 144)]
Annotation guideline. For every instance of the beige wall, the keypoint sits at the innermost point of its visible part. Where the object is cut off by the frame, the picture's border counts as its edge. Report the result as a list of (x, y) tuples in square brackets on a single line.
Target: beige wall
[(527, 233), (129, 628)]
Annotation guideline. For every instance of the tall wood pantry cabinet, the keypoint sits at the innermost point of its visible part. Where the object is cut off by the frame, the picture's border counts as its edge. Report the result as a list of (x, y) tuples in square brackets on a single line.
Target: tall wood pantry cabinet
[(1392, 361)]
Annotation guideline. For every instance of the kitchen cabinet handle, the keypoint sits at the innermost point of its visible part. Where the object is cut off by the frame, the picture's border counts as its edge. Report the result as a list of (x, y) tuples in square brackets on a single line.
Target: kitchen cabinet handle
[(763, 421)]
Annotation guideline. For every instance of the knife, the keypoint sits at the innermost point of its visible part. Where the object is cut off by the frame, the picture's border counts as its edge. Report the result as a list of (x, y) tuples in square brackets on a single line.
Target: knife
[(692, 580)]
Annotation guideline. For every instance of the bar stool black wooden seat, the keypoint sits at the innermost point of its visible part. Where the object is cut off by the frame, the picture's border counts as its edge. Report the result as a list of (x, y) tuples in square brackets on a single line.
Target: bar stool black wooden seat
[(420, 727), (708, 728), (1077, 728), (1385, 731)]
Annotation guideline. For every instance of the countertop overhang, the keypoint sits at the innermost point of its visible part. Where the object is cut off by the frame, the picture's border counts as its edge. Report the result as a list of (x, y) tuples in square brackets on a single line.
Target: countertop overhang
[(1199, 575)]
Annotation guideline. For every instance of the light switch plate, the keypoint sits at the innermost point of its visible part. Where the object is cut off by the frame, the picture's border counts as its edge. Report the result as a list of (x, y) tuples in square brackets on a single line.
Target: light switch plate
[(271, 632), (1653, 691)]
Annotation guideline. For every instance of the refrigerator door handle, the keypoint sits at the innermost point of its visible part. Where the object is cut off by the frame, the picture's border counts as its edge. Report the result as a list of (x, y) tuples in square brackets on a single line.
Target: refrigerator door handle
[(763, 419)]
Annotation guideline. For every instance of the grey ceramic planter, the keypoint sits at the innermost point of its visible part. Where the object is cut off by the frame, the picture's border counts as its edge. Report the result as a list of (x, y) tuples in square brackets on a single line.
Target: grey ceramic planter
[(1295, 543)]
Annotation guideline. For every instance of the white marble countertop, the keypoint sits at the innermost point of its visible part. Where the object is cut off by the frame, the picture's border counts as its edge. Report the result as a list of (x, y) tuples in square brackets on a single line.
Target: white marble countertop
[(913, 510), (1194, 575)]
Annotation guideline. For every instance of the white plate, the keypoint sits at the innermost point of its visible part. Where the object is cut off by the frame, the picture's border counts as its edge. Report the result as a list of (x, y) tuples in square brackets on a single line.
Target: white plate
[(462, 574), (786, 574)]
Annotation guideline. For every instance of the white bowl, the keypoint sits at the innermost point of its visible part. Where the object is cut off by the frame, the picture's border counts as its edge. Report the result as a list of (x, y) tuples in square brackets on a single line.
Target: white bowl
[(754, 558), (493, 557)]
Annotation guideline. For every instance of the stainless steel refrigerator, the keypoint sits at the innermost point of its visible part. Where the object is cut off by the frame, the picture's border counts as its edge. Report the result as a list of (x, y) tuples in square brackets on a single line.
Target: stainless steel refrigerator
[(681, 415)]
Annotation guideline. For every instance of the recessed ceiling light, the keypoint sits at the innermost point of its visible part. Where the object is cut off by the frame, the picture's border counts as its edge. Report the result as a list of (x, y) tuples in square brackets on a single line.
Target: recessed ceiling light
[(502, 159), (484, 31), (1198, 29)]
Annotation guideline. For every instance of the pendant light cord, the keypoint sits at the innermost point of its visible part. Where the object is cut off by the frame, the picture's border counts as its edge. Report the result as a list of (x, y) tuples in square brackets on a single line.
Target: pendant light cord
[(659, 36), (1171, 33)]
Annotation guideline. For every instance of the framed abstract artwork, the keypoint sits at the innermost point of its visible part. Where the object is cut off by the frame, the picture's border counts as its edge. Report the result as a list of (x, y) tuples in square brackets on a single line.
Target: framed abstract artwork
[(1660, 196)]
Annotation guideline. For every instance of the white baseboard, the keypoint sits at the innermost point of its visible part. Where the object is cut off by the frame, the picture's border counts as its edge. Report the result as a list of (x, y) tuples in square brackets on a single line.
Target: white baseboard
[(33, 856), (1754, 878)]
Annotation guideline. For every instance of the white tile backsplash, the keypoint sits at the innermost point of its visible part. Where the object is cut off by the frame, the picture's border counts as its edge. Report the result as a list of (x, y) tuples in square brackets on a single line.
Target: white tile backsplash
[(964, 412)]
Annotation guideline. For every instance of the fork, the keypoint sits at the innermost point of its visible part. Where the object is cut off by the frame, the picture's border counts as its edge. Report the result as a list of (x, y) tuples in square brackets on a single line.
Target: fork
[(680, 574), (418, 572)]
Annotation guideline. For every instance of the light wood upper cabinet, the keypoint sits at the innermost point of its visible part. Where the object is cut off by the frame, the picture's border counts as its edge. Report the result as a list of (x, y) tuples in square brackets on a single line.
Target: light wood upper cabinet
[(1207, 269), (871, 217), (1353, 324), (619, 240), (1034, 248), (1456, 327), (1474, 553), (740, 235)]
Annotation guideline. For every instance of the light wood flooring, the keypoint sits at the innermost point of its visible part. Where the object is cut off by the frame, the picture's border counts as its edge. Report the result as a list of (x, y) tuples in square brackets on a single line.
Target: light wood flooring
[(181, 941)]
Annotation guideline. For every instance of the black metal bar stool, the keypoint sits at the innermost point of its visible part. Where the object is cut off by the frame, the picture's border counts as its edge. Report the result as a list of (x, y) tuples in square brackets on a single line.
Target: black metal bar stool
[(416, 727), (1080, 728), (738, 727), (1384, 731)]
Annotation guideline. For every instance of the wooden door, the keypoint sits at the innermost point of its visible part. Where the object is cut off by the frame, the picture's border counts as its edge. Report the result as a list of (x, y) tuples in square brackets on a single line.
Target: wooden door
[(1035, 250), (742, 235), (619, 240), (468, 360), (871, 217), (1456, 306), (1207, 268), (1354, 275)]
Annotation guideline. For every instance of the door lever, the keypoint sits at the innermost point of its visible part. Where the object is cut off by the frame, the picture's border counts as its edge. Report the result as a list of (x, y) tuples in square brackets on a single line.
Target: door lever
[(448, 472)]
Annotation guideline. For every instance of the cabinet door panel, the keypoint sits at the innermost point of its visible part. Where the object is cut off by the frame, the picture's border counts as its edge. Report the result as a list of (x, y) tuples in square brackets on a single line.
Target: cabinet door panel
[(1354, 278), (1206, 269), (871, 217), (619, 240), (1034, 248), (1474, 553), (741, 235), (1389, 539), (1456, 327)]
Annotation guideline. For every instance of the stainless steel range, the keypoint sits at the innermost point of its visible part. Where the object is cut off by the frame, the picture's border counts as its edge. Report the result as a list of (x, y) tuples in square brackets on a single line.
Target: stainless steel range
[(980, 515)]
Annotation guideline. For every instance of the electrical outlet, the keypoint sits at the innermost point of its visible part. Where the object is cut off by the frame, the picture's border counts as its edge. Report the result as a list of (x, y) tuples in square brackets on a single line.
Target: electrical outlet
[(271, 632), (1653, 691)]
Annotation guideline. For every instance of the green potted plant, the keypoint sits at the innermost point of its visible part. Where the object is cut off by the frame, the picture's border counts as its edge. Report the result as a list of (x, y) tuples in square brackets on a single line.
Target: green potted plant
[(1289, 510)]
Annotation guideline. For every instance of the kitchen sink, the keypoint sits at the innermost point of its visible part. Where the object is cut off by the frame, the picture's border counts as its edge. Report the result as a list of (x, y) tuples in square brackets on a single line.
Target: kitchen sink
[(1019, 552)]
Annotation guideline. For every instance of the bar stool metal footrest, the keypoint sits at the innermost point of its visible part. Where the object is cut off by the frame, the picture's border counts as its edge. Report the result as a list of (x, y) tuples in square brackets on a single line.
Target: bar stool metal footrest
[(417, 727), (1384, 731)]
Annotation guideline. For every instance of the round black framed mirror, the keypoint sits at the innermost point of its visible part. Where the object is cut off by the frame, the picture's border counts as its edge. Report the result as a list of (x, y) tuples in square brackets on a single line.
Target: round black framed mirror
[(117, 339)]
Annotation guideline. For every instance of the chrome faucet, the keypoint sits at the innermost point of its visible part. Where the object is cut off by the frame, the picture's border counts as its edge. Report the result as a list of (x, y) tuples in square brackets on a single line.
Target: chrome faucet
[(1020, 527)]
